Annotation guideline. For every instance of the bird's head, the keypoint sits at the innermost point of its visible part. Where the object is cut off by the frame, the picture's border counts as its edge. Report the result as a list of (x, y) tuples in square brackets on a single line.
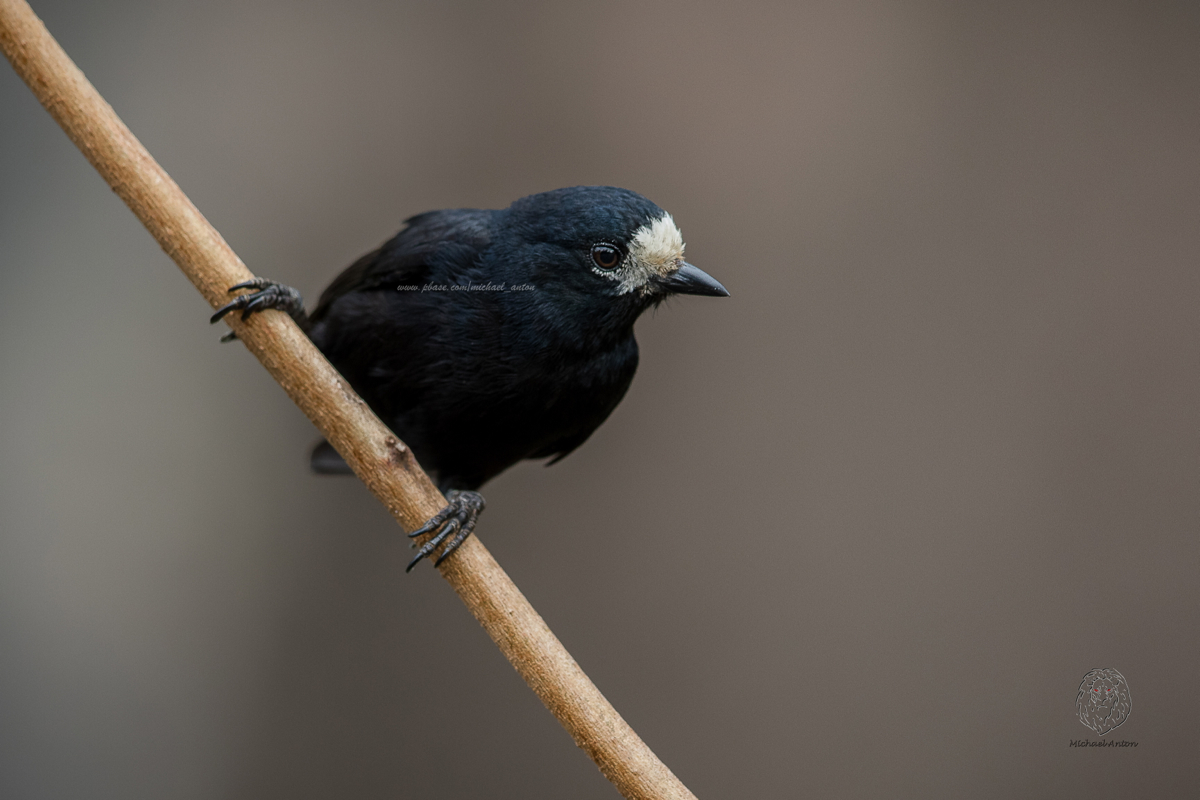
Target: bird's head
[(604, 244)]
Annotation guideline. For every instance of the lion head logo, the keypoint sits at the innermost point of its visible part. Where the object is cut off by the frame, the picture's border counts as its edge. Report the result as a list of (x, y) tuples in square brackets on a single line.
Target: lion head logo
[(1103, 702)]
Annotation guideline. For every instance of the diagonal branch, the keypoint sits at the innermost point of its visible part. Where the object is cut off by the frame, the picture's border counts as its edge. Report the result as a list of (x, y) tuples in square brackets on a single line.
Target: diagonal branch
[(383, 462)]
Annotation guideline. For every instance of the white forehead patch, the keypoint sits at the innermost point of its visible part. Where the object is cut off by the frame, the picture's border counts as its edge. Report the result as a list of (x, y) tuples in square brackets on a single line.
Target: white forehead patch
[(655, 250), (658, 246)]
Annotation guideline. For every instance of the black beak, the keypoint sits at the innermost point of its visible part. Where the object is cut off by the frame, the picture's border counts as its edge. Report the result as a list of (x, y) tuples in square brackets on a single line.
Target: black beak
[(690, 280)]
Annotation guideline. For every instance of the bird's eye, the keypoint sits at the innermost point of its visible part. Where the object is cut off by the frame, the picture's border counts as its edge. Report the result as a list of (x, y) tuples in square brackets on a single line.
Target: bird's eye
[(605, 256)]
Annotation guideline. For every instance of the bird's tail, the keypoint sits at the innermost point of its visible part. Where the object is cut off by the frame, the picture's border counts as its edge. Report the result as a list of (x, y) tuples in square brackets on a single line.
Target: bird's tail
[(327, 461)]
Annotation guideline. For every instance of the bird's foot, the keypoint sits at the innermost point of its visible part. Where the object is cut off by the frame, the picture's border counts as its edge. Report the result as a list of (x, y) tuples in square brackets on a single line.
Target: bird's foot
[(267, 294), (457, 519)]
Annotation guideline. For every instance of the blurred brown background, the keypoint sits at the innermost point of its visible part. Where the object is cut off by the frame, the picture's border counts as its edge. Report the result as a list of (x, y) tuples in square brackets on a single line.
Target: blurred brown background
[(857, 531)]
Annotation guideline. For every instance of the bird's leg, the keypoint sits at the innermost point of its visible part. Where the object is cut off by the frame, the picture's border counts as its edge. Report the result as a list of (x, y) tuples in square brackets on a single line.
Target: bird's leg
[(458, 518), (268, 294)]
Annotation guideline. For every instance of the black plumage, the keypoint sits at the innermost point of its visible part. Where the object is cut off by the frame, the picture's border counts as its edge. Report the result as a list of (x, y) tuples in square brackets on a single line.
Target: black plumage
[(484, 337)]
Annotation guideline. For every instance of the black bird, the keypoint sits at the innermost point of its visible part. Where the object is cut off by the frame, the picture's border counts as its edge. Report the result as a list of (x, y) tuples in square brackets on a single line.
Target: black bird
[(486, 337)]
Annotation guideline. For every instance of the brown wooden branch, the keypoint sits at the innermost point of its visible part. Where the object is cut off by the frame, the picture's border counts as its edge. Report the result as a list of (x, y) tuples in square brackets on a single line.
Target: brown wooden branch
[(377, 456)]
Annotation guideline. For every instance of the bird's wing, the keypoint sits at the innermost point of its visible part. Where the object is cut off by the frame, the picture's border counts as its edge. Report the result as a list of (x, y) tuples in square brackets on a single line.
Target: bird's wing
[(430, 239)]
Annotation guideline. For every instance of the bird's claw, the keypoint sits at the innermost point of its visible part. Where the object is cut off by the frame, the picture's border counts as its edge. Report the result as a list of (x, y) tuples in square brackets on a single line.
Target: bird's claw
[(267, 294), (457, 519)]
